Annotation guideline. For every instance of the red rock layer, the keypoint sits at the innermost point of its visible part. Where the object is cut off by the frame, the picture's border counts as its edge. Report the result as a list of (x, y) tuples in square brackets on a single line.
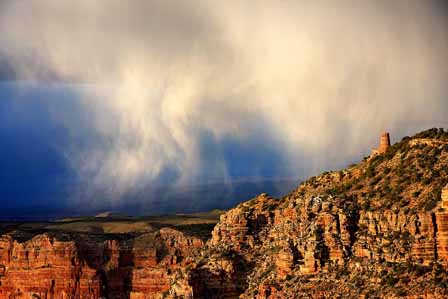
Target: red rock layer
[(45, 268), (270, 240), (140, 268)]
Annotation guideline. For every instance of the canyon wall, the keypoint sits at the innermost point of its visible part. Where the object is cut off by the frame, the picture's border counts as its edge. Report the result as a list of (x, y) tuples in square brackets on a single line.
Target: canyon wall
[(61, 267), (378, 229), (262, 244)]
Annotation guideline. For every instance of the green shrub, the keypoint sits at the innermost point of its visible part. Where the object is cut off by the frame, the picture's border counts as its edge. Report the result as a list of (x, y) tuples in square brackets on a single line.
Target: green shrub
[(391, 280), (416, 193), (430, 203)]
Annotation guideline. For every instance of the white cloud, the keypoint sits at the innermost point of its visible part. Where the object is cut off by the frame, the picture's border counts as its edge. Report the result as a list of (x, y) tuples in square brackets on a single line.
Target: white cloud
[(323, 78)]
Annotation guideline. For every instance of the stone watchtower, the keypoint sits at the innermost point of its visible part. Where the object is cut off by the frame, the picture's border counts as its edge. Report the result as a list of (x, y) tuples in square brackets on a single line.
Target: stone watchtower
[(384, 144)]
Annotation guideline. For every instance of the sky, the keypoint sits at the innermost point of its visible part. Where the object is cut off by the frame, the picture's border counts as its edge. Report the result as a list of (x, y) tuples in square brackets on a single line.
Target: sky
[(161, 106)]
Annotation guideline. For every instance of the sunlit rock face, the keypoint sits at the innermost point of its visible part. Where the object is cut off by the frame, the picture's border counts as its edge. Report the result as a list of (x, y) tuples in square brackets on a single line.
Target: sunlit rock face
[(378, 229), (140, 268), (375, 230), (44, 267), (254, 252)]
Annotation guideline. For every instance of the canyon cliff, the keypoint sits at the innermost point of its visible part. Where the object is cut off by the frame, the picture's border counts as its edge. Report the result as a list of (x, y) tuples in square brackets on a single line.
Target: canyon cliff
[(63, 266), (378, 229)]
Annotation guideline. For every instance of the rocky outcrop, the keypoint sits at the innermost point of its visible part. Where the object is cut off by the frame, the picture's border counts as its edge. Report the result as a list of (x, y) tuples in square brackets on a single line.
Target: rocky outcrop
[(378, 229), (45, 268), (57, 267), (266, 249), (155, 262), (441, 235), (426, 142), (444, 197)]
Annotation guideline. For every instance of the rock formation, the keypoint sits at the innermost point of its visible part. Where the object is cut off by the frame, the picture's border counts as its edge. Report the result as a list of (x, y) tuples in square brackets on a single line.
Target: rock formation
[(61, 267), (375, 230), (378, 229), (445, 197)]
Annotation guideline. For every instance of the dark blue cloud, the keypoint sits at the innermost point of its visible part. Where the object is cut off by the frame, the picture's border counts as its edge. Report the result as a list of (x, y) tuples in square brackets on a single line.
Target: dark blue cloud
[(34, 174), (41, 124)]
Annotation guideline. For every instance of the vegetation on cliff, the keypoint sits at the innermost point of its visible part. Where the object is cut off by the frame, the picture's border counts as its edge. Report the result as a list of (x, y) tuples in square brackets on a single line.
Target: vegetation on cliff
[(374, 230), (409, 177)]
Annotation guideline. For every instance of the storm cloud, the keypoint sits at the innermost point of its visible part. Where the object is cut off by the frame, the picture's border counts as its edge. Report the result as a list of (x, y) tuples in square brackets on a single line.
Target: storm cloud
[(168, 85)]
